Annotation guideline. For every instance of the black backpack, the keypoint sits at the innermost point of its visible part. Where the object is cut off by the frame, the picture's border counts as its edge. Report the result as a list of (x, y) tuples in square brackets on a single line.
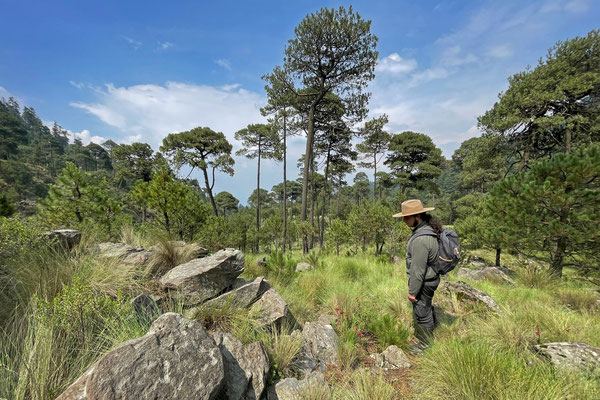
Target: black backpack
[(449, 249)]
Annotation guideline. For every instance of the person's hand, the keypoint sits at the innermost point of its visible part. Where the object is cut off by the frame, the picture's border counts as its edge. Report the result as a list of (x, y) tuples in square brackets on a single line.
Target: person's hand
[(412, 298)]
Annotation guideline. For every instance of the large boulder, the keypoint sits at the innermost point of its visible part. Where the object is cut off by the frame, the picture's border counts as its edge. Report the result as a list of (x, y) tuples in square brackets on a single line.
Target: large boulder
[(242, 295), (203, 278), (484, 273), (571, 355), (466, 293), (391, 358), (246, 367), (322, 341), (67, 238), (127, 254), (294, 389), (176, 359), (273, 311)]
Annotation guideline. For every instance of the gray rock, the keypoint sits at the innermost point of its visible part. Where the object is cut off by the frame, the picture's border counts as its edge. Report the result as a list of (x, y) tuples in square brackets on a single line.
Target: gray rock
[(571, 355), (484, 273), (273, 310), (176, 359), (303, 266), (465, 292), (304, 362), (242, 296), (294, 389), (127, 254), (322, 342), (145, 307), (67, 238), (391, 358), (261, 261), (246, 367), (196, 251), (203, 278)]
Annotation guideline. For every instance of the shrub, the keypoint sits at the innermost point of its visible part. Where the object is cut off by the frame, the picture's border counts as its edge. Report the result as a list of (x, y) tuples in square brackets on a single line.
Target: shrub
[(388, 331)]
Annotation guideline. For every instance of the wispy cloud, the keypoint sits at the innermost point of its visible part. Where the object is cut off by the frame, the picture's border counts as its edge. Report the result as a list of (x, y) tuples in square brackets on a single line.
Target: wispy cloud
[(86, 137), (222, 62), (150, 112), (134, 43), (4, 93), (500, 51), (78, 85), (395, 64), (164, 45)]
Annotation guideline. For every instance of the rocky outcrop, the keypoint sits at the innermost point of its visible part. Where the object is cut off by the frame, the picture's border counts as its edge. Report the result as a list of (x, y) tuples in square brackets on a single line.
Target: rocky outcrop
[(67, 238), (127, 254), (243, 294), (392, 358), (571, 355), (321, 341), (273, 311), (294, 389), (303, 266), (467, 293), (204, 278), (484, 273), (246, 367), (176, 359)]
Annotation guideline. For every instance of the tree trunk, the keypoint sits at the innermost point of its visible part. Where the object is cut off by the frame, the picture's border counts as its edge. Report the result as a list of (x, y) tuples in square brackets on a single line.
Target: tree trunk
[(210, 194), (498, 251), (284, 181), (557, 256), (307, 158), (312, 206), (375, 176), (568, 141), (324, 198), (258, 201)]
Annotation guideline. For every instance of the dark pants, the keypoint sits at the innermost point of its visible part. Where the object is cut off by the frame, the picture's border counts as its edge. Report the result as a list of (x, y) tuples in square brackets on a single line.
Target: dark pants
[(422, 309)]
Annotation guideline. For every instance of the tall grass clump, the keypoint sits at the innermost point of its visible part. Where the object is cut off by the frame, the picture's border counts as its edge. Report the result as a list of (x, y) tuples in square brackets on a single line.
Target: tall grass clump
[(364, 384), (461, 369), (60, 338), (167, 255), (579, 300), (29, 265)]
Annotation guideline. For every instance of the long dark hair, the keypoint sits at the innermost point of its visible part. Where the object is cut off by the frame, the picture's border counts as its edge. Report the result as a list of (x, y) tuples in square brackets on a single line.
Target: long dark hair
[(435, 223)]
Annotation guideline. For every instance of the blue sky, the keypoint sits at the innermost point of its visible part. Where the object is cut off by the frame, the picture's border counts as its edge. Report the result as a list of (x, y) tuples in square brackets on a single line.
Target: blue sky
[(138, 70)]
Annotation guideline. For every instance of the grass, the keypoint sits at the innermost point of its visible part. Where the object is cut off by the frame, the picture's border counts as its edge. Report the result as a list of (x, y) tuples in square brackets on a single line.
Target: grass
[(475, 355)]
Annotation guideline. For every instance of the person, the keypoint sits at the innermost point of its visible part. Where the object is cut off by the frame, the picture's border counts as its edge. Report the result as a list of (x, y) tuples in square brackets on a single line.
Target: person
[(421, 255)]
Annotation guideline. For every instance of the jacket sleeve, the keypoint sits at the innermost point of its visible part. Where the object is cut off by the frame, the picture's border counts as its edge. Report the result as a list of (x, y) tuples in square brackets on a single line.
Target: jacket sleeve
[(418, 265)]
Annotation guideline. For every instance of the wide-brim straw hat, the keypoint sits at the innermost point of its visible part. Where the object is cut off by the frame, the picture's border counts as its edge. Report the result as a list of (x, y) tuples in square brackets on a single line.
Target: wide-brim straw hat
[(412, 207)]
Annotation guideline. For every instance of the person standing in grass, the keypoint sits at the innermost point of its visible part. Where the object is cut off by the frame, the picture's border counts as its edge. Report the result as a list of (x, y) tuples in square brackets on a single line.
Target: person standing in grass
[(421, 256)]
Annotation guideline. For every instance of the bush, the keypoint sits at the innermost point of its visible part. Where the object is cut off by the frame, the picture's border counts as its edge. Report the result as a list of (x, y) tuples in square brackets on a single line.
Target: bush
[(388, 331)]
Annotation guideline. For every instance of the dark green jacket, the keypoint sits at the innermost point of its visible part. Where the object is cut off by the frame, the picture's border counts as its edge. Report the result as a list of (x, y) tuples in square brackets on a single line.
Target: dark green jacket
[(421, 255)]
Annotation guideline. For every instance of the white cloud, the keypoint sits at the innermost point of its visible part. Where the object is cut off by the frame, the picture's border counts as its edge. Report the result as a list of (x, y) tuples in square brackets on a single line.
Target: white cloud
[(222, 62), (428, 75), (164, 45), (577, 6), (150, 112), (86, 137), (134, 43), (4, 93), (500, 51), (395, 64), (78, 85)]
